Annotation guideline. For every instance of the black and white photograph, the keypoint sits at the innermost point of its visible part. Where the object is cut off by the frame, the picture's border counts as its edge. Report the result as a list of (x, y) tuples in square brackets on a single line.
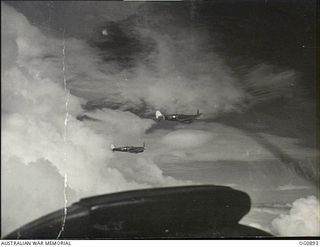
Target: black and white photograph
[(159, 120)]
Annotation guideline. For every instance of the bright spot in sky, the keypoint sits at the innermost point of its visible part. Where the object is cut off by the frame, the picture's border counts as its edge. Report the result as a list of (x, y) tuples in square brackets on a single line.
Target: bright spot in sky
[(104, 32)]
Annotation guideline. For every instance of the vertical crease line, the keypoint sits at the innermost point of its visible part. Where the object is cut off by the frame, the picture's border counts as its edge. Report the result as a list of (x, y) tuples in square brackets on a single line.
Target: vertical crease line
[(67, 98)]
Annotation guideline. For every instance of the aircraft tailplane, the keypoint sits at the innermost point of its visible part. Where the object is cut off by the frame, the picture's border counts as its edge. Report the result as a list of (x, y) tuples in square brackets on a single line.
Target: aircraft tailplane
[(112, 146), (159, 115), (198, 113)]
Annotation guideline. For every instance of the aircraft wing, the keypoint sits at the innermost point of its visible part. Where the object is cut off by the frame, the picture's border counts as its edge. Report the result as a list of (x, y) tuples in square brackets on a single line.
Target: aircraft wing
[(136, 149), (186, 119), (173, 212), (133, 150)]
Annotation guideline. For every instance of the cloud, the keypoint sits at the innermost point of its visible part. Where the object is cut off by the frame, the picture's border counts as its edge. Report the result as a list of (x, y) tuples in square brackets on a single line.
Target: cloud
[(303, 219), (42, 140), (172, 67), (124, 126), (26, 189), (213, 143), (292, 187), (267, 82), (169, 69), (144, 170), (204, 141), (187, 138), (291, 146)]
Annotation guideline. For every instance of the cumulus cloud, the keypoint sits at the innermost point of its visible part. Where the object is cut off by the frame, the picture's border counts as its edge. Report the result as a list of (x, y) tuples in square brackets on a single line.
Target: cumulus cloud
[(144, 170), (42, 140), (35, 187), (187, 138), (302, 220)]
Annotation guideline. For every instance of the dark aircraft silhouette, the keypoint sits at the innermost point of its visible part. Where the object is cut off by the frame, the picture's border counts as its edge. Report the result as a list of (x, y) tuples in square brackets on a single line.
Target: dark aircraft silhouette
[(129, 149), (204, 211), (182, 118)]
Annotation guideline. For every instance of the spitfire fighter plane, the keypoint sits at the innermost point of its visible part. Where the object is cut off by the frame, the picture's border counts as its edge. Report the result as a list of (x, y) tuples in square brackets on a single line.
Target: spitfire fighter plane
[(182, 118), (129, 149)]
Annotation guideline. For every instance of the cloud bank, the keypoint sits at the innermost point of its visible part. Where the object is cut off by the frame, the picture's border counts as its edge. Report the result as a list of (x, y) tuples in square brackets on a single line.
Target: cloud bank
[(42, 140), (303, 219)]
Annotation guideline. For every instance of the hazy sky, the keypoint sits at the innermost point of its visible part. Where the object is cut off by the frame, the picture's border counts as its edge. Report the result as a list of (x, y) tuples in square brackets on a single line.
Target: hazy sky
[(248, 66)]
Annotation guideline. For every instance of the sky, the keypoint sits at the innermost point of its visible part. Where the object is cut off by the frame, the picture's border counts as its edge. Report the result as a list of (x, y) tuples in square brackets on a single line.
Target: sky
[(80, 76)]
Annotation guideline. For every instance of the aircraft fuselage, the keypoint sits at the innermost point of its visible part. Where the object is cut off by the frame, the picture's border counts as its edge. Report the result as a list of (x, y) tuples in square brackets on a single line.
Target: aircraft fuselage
[(129, 149), (181, 118)]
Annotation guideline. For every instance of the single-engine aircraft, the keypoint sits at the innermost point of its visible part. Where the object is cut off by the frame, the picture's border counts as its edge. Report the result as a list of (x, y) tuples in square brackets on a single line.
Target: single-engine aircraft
[(130, 149), (182, 118)]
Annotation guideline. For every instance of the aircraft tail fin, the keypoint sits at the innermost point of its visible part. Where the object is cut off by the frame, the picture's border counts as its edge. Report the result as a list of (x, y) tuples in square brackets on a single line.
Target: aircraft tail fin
[(198, 113), (159, 115), (144, 145), (112, 146)]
